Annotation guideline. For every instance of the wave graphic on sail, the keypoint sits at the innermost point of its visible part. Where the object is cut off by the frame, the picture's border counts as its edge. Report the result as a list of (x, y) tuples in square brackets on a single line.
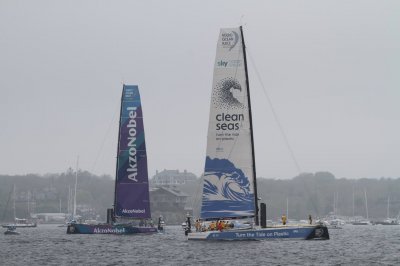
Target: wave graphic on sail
[(226, 192), (223, 94)]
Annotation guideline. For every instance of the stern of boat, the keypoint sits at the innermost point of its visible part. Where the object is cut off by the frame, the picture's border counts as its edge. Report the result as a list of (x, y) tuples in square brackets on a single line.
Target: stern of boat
[(320, 232), (72, 229)]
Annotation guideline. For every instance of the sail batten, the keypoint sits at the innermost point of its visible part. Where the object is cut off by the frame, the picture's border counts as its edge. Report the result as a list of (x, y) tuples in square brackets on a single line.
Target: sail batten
[(131, 184), (228, 186)]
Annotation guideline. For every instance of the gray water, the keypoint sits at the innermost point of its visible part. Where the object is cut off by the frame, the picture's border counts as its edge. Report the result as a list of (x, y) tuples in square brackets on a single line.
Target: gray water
[(50, 245)]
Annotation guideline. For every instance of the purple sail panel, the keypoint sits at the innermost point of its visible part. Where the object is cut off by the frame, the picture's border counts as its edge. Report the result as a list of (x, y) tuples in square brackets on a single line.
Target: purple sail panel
[(132, 186)]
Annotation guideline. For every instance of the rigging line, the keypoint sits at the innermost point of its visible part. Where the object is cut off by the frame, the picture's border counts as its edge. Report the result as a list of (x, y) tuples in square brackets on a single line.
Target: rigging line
[(274, 114), (197, 196), (105, 137), (281, 128)]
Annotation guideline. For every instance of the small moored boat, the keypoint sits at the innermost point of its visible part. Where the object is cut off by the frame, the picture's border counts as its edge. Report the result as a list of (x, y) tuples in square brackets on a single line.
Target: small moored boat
[(11, 230)]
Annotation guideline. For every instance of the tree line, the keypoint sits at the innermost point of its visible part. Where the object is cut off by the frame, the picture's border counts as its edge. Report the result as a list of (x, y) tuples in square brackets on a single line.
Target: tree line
[(318, 194)]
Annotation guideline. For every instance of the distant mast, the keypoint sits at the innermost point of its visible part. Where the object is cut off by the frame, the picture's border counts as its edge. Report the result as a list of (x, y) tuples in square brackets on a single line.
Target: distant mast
[(353, 202), (287, 209), (14, 196), (76, 185), (69, 200), (366, 203), (131, 199), (388, 208)]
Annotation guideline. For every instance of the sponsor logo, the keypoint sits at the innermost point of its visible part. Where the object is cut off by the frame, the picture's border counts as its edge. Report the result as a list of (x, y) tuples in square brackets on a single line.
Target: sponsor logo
[(133, 211), (109, 230), (229, 64), (229, 39), (228, 95), (132, 167), (222, 63), (281, 234), (229, 121)]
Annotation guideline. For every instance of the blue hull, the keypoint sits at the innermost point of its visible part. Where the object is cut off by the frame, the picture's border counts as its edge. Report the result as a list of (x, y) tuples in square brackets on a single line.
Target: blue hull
[(109, 229), (295, 232)]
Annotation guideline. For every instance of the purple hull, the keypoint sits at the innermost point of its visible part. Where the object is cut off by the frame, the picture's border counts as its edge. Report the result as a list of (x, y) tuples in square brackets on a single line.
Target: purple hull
[(122, 229)]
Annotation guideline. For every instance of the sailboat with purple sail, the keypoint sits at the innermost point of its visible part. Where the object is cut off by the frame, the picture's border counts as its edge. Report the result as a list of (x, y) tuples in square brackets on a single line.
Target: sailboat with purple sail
[(131, 212)]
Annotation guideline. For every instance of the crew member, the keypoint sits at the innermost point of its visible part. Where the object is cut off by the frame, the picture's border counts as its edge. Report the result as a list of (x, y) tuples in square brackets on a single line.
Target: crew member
[(212, 226), (197, 225), (219, 225), (284, 219)]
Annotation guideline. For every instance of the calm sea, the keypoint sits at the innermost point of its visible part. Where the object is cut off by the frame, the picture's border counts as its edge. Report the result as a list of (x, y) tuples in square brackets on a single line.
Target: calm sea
[(50, 245)]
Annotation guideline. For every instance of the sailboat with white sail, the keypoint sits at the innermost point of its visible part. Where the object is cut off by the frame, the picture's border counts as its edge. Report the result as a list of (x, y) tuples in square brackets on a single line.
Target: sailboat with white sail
[(229, 209), (388, 220), (363, 221), (18, 222), (72, 216), (131, 212)]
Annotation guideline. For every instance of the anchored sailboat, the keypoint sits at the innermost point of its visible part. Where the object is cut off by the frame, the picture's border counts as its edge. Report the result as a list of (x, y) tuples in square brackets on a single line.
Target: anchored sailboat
[(131, 213), (18, 222), (229, 209)]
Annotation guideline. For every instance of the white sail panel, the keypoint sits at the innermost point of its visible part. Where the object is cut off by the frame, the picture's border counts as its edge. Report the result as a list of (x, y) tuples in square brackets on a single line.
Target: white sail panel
[(228, 188)]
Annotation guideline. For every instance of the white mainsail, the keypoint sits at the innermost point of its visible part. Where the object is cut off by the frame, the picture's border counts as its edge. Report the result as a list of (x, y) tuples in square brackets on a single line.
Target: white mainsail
[(228, 188)]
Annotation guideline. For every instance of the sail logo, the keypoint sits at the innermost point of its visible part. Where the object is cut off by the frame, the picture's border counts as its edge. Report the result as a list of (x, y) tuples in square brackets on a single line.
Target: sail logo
[(229, 39), (134, 211), (229, 64), (228, 94), (222, 63), (229, 121), (108, 230), (132, 167)]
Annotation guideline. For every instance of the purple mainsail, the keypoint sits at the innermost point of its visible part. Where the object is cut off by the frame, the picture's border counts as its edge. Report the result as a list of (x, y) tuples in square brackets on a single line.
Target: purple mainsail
[(131, 184)]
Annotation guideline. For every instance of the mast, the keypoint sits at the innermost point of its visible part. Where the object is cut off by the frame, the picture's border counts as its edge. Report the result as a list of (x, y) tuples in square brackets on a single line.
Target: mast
[(353, 203), (15, 216), (251, 129), (334, 203), (287, 209), (76, 184), (69, 200), (388, 206), (119, 138), (29, 203), (366, 202)]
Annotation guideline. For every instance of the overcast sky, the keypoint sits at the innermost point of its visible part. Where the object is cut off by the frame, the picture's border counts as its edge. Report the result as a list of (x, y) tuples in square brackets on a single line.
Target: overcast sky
[(331, 69)]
